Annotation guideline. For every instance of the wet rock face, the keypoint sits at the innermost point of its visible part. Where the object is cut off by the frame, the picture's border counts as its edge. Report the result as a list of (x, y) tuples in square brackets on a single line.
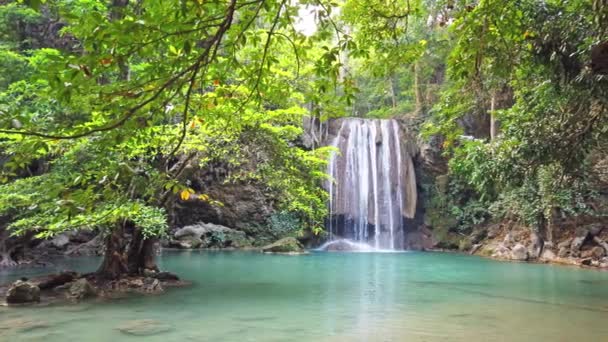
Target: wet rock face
[(23, 292), (244, 204), (286, 245), (420, 239)]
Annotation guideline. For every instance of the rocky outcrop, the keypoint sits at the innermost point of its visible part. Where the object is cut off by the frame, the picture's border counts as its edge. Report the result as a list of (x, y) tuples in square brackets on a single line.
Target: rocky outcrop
[(22, 292), (286, 245), (208, 235)]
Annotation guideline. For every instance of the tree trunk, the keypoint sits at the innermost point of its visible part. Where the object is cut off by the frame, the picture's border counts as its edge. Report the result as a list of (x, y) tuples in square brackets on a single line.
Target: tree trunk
[(114, 263), (417, 91), (391, 81), (6, 259), (125, 257), (493, 117), (141, 254)]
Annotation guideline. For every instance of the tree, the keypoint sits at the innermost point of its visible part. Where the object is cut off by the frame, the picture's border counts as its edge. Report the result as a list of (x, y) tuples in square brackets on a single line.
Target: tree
[(119, 119)]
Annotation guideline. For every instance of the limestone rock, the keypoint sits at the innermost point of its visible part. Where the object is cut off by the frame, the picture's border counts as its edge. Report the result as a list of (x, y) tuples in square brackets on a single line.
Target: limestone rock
[(22, 292), (81, 289), (519, 253), (563, 252), (285, 245)]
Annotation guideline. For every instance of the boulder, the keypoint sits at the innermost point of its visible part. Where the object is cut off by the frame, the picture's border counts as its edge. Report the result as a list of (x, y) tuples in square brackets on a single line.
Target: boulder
[(81, 289), (285, 245), (519, 253), (548, 255), (22, 292), (343, 245), (60, 241), (209, 235), (502, 252), (563, 252)]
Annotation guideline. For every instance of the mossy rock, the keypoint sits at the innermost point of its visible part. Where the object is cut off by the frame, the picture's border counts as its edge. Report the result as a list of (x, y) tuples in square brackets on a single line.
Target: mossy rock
[(285, 245)]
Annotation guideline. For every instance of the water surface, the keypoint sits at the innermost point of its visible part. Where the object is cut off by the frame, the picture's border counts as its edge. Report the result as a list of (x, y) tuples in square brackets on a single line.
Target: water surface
[(239, 296)]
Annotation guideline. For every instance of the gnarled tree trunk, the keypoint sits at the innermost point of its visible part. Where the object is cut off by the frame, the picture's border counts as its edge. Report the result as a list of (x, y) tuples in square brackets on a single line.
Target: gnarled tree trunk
[(127, 253)]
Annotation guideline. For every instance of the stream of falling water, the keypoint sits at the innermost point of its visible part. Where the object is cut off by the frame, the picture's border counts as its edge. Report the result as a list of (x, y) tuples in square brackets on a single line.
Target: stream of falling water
[(373, 186)]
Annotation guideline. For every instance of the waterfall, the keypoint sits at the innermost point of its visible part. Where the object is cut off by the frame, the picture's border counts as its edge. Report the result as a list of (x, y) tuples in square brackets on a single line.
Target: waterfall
[(372, 189)]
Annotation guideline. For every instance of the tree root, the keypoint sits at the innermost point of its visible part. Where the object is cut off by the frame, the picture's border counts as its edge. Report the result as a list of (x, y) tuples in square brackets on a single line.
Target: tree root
[(7, 262)]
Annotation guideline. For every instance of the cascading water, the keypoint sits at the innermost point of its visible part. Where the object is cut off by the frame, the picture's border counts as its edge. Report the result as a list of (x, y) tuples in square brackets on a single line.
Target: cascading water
[(373, 185)]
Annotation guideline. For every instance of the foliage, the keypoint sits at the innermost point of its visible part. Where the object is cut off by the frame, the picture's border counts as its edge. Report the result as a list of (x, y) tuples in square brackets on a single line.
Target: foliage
[(525, 66), (284, 224)]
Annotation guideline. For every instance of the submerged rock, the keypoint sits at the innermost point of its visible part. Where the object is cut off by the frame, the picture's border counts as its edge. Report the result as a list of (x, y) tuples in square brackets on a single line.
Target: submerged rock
[(143, 327), (22, 292), (285, 245), (22, 324)]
